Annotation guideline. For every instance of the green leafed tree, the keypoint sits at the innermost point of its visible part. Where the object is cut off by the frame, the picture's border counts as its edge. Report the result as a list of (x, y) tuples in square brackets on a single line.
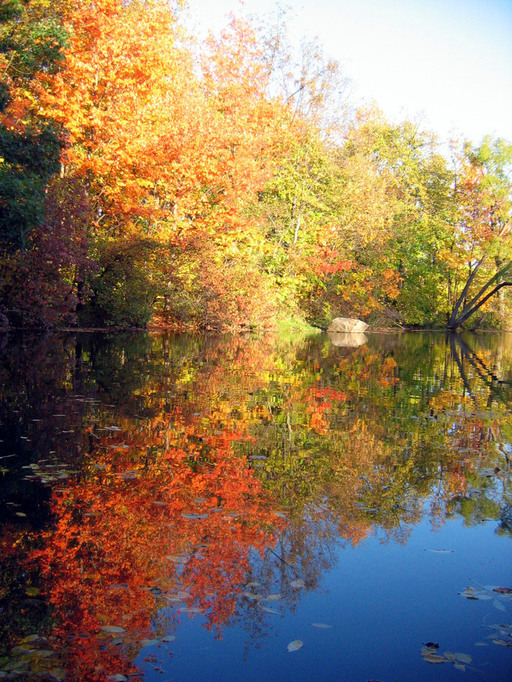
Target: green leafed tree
[(483, 238), (31, 40)]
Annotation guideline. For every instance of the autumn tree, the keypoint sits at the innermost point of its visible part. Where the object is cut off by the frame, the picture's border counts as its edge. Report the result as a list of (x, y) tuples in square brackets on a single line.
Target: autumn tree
[(31, 42), (482, 245)]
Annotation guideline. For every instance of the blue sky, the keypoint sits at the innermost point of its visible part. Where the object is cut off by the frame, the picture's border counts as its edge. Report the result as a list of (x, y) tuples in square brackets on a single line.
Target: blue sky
[(446, 63)]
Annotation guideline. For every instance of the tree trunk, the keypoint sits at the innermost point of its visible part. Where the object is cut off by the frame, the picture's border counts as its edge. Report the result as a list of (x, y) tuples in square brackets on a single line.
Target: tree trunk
[(457, 318)]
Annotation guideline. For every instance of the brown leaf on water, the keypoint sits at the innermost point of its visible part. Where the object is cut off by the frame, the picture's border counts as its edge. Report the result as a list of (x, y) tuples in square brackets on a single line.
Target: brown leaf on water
[(431, 656), (503, 590)]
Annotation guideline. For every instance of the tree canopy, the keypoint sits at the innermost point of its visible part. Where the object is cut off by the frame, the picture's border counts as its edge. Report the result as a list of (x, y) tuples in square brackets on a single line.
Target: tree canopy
[(146, 179)]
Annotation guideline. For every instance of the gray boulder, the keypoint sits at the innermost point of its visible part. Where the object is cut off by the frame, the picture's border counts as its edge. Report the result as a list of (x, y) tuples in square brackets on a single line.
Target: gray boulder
[(347, 325)]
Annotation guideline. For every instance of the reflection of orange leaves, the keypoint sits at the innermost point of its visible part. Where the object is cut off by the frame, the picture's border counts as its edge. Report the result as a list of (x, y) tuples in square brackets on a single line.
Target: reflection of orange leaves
[(318, 423), (354, 531), (329, 394), (175, 488)]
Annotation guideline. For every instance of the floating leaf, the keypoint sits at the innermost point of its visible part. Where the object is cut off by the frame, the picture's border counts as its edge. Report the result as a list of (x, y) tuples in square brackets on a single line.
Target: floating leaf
[(440, 551), (195, 516), (474, 593), (465, 658), (273, 597), (112, 629), (117, 678), (498, 605), (270, 610), (32, 591), (322, 626), (431, 656), (297, 584), (460, 667), (295, 645), (168, 638), (502, 590)]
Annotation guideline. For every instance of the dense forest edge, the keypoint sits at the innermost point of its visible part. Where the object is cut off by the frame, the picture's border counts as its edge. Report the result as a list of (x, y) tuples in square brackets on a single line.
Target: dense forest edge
[(148, 179)]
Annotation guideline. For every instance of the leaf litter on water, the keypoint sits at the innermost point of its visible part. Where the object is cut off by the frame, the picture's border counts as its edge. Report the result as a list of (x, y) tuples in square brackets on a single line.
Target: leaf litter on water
[(431, 654)]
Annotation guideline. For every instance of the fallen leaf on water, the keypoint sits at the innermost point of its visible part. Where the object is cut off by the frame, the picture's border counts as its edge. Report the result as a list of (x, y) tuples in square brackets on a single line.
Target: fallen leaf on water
[(273, 597), (460, 667), (269, 610), (503, 590), (474, 593), (297, 584), (465, 658), (112, 629), (168, 638), (440, 551), (322, 626), (431, 656), (295, 645), (498, 605), (117, 678)]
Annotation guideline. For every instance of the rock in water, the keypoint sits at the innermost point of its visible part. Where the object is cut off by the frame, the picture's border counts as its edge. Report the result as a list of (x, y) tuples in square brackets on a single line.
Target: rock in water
[(347, 325)]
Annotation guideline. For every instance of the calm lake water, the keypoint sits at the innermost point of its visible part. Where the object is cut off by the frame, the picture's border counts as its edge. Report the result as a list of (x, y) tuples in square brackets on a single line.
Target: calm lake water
[(179, 508)]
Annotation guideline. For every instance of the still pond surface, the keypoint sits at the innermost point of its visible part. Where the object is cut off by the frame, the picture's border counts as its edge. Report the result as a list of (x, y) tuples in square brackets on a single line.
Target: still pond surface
[(177, 508)]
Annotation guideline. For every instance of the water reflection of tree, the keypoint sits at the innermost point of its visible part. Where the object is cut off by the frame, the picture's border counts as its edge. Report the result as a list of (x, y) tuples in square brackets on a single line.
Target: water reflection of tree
[(343, 442)]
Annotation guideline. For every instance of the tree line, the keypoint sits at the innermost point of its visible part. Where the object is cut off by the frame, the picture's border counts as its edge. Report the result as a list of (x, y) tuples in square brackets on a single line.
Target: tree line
[(150, 179)]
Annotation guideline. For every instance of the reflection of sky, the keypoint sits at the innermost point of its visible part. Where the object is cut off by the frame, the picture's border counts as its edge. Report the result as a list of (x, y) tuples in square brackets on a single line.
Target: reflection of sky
[(383, 600), (450, 60)]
